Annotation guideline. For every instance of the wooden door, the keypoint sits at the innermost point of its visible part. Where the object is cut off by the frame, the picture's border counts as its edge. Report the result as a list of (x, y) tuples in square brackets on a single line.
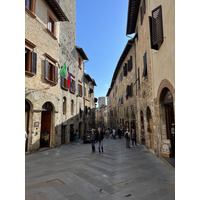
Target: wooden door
[(45, 129), (169, 113), (27, 127), (63, 135)]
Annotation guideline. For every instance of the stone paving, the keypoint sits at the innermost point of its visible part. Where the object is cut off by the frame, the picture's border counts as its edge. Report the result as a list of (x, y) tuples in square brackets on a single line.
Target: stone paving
[(72, 172)]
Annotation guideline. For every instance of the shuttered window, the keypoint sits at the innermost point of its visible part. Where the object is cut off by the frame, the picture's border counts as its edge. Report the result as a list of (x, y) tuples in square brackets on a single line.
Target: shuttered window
[(80, 89), (64, 83), (125, 70), (51, 72), (156, 28), (138, 77), (30, 60), (144, 74), (130, 65), (30, 7), (144, 6), (73, 90)]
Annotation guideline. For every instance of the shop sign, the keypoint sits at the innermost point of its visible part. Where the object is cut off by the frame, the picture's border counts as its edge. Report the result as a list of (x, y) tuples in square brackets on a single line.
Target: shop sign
[(166, 147)]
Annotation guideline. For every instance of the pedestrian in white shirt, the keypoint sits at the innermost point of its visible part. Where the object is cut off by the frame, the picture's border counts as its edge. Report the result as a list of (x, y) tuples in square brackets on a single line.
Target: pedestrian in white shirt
[(127, 136)]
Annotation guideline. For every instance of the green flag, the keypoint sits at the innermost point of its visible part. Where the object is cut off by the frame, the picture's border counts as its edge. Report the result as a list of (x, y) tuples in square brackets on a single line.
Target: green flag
[(63, 71)]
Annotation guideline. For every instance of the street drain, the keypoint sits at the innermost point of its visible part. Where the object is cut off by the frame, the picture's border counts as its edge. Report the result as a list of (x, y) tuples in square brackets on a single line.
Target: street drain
[(128, 195)]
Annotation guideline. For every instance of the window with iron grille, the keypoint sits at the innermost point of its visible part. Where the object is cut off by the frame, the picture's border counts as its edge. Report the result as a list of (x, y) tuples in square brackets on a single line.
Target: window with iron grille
[(156, 28)]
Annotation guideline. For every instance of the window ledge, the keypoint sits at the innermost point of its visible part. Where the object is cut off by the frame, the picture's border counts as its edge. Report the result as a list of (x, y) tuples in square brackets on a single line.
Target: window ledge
[(29, 73), (30, 12), (72, 92), (51, 82), (64, 88), (50, 33)]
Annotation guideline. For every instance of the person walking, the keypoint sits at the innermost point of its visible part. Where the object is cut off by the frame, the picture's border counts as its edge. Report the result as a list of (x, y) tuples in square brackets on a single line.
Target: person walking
[(93, 138), (113, 133), (100, 137), (127, 136), (134, 138)]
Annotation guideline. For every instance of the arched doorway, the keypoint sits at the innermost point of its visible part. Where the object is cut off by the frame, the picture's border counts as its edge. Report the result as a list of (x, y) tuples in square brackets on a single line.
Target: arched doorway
[(150, 127), (167, 109), (45, 135), (142, 128), (27, 117)]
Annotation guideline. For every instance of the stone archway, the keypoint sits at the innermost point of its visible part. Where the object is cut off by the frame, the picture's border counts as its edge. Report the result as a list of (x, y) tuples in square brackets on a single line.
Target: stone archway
[(167, 118), (27, 121)]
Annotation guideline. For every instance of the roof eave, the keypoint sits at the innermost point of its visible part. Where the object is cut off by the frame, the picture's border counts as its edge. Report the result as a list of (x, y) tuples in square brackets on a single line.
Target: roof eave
[(53, 4), (82, 53)]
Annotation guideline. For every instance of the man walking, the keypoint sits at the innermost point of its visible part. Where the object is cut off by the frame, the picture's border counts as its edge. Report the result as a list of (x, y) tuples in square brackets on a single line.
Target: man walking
[(93, 137), (127, 136), (100, 137), (134, 137)]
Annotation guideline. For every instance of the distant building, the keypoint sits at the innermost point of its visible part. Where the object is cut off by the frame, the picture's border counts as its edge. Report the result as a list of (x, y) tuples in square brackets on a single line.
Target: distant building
[(101, 101)]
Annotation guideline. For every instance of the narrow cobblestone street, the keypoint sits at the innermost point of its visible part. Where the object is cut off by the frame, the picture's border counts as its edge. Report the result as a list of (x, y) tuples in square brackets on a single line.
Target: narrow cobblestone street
[(73, 172)]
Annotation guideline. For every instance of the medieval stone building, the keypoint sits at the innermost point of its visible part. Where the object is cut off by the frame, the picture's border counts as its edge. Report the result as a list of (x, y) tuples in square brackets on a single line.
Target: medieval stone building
[(142, 90), (52, 109)]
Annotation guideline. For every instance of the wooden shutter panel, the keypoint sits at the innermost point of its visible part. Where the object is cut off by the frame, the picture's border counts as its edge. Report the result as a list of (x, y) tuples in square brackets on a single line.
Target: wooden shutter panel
[(138, 77), (129, 66), (33, 62), (46, 69), (56, 74), (157, 26), (141, 15), (131, 63), (62, 82), (144, 6), (126, 69), (145, 65)]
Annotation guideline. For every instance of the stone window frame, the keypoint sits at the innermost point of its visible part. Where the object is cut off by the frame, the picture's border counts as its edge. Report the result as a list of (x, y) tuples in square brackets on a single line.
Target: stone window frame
[(30, 48), (31, 10), (79, 62), (80, 88), (53, 32), (53, 70)]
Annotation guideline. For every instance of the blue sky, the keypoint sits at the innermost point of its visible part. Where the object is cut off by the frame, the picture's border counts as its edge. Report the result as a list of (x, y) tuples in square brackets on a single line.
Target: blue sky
[(101, 32)]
